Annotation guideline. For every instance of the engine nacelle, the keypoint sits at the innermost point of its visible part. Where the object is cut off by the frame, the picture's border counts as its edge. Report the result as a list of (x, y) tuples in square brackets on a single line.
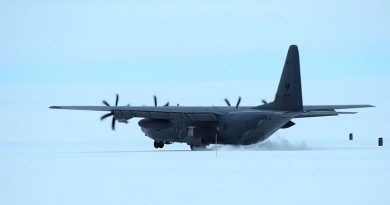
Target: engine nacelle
[(154, 124)]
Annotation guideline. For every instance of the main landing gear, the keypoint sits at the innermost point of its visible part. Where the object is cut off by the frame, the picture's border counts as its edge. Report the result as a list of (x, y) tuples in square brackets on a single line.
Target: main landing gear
[(158, 144), (198, 147)]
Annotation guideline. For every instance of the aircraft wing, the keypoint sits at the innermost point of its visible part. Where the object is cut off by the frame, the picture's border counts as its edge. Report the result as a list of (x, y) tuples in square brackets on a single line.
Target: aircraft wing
[(332, 107), (160, 112)]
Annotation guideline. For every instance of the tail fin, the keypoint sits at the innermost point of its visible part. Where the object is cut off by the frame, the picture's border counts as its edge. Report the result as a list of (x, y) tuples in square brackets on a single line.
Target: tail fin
[(289, 94)]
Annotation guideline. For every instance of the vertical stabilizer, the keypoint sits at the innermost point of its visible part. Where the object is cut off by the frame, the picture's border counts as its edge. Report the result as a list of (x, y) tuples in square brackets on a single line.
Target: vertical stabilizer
[(289, 94)]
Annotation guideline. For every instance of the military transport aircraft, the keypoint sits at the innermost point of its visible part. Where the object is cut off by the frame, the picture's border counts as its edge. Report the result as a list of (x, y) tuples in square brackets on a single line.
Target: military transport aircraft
[(201, 126)]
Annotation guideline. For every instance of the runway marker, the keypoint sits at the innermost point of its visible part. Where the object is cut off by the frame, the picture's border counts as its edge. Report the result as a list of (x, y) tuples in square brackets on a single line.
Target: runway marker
[(380, 142)]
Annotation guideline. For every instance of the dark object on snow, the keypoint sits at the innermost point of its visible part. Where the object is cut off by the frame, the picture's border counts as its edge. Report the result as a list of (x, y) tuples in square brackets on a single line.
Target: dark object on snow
[(380, 142)]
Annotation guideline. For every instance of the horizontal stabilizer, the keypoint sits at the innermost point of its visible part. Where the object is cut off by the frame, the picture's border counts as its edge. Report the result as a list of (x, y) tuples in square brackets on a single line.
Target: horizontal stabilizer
[(321, 114), (332, 107)]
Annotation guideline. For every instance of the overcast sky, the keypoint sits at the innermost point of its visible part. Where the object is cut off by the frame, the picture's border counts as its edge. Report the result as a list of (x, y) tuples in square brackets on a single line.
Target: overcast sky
[(188, 52)]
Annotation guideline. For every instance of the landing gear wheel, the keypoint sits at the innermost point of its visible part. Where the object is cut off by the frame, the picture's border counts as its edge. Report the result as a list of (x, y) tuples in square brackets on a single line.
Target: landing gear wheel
[(198, 147), (161, 145), (158, 144)]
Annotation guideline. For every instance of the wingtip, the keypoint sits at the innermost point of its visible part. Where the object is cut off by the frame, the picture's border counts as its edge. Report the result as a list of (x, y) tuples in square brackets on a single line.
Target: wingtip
[(55, 107)]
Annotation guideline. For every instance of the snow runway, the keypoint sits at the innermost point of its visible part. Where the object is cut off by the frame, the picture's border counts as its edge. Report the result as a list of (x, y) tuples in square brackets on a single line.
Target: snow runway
[(36, 173)]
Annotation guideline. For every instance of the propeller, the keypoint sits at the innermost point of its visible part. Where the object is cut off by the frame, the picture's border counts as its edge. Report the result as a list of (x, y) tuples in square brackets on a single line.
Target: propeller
[(155, 101), (111, 113), (237, 104), (227, 102)]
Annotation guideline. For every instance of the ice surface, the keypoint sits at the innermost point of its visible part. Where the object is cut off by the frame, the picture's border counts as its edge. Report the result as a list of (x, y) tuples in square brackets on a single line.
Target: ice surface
[(114, 173)]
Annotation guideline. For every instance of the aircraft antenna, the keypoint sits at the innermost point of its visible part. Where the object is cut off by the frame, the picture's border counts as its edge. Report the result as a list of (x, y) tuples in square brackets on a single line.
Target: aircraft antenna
[(216, 143)]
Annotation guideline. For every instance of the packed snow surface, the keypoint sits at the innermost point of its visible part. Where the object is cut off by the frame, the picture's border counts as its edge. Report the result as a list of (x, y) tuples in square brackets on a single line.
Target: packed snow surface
[(116, 173)]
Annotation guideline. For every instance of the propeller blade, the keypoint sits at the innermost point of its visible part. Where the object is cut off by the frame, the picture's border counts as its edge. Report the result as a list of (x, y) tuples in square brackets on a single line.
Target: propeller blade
[(155, 100), (264, 102), (106, 103), (113, 123), (106, 115), (227, 102), (166, 104), (116, 100), (238, 102)]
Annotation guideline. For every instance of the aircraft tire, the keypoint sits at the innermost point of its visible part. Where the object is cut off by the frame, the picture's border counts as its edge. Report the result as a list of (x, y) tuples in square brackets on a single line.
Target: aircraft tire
[(156, 145), (197, 147)]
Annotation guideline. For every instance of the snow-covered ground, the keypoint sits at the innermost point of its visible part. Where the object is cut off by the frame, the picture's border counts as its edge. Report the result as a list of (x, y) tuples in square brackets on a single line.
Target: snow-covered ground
[(62, 157), (114, 172)]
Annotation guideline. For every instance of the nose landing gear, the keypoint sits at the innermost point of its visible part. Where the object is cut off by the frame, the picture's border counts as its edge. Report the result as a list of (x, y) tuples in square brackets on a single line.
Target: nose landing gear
[(158, 144)]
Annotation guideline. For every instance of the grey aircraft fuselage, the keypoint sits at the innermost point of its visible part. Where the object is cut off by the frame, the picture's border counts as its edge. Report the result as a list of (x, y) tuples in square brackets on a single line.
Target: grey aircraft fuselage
[(237, 125)]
